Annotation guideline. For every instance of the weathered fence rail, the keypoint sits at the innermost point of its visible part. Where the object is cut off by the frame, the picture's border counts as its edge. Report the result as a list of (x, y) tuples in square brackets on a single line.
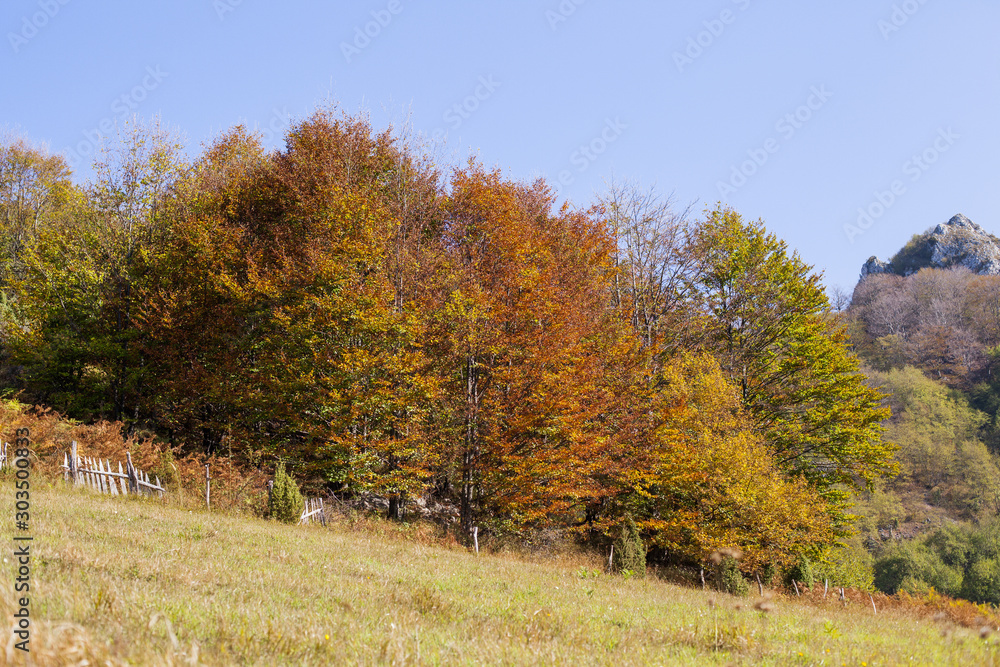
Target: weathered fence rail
[(100, 476), (314, 510)]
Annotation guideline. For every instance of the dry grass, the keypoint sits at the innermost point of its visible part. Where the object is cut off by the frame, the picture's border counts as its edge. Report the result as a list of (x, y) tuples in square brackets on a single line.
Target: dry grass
[(234, 489), (136, 581)]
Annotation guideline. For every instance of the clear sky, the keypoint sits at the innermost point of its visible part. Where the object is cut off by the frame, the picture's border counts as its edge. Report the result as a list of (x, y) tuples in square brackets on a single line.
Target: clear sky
[(800, 113)]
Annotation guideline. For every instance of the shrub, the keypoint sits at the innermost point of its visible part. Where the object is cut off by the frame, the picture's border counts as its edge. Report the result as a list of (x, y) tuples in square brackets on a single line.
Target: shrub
[(730, 578), (801, 572), (630, 552), (769, 573), (848, 564), (914, 568), (286, 501), (982, 582)]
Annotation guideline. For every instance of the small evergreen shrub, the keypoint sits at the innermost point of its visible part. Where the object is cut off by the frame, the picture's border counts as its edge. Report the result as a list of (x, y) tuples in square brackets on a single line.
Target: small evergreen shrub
[(286, 501), (769, 573), (630, 552), (801, 572), (730, 578)]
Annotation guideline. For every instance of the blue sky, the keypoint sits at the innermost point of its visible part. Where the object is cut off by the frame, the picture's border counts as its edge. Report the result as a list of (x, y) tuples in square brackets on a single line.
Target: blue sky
[(800, 113)]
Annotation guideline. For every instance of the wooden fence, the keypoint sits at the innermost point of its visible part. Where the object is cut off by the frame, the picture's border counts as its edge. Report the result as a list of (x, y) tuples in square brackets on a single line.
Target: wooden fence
[(314, 511), (4, 456), (99, 475)]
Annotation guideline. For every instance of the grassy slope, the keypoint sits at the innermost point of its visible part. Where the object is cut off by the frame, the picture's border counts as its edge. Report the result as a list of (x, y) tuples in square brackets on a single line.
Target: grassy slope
[(110, 573)]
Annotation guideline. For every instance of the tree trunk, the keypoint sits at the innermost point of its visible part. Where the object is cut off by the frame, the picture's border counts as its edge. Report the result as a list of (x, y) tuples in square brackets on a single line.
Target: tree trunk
[(471, 453)]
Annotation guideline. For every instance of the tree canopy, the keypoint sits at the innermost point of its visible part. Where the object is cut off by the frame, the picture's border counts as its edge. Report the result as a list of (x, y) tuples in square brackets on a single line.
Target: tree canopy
[(385, 326)]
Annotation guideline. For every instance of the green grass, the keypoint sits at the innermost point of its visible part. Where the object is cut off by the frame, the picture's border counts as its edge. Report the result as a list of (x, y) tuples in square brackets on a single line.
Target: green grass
[(136, 581)]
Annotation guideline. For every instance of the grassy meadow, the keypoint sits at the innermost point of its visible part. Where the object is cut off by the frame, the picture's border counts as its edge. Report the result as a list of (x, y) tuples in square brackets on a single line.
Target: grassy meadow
[(136, 581)]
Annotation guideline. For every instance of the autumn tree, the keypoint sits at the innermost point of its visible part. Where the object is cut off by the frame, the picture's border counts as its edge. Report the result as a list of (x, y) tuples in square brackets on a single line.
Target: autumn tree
[(704, 479), (36, 196), (799, 383), (35, 190), (201, 316), (76, 296), (524, 338), (654, 267), (317, 357)]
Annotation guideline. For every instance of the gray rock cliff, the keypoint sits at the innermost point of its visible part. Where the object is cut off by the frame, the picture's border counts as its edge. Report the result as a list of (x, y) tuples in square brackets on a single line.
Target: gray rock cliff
[(958, 242)]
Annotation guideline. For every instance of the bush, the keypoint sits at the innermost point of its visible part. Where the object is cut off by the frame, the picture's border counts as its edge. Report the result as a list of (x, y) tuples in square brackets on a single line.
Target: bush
[(630, 552), (769, 573), (801, 572), (730, 578), (982, 582), (914, 568), (286, 501), (848, 564)]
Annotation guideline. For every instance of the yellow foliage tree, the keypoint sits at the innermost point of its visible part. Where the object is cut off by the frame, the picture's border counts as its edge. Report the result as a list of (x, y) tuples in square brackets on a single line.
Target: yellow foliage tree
[(708, 482)]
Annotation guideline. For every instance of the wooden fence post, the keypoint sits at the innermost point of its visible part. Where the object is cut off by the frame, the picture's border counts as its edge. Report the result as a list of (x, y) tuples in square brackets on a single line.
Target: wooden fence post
[(133, 477), (74, 465), (208, 488), (100, 478), (112, 482), (475, 538)]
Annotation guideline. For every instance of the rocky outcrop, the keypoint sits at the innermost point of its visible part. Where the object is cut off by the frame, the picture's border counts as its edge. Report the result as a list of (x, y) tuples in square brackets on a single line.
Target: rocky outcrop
[(958, 242), (875, 265)]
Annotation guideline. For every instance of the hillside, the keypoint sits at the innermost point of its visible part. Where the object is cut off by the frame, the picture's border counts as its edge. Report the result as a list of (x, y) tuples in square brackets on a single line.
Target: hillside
[(927, 326), (389, 328), (131, 581)]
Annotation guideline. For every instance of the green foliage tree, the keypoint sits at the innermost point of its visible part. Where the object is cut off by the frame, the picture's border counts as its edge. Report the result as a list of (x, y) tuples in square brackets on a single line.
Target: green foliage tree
[(765, 319), (982, 582), (76, 302), (847, 564), (286, 501), (915, 569)]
